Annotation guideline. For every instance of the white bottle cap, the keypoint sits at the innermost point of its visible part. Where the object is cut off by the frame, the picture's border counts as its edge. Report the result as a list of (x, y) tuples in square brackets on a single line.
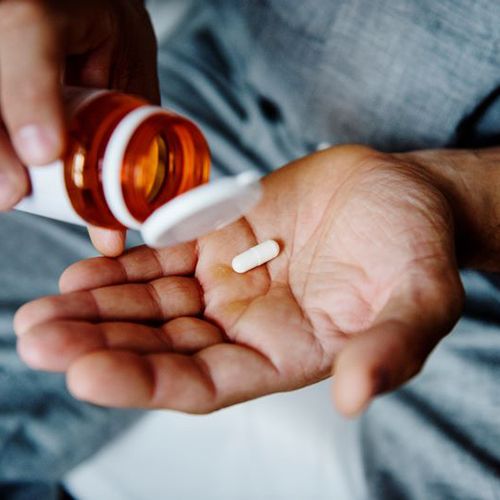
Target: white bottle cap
[(202, 210), (186, 217)]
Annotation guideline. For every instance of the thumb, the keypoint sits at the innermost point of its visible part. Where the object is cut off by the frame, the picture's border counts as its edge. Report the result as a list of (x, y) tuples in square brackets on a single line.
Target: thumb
[(395, 347)]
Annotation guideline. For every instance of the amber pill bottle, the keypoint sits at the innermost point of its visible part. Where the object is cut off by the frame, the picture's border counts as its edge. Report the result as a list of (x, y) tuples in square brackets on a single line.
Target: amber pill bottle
[(124, 159)]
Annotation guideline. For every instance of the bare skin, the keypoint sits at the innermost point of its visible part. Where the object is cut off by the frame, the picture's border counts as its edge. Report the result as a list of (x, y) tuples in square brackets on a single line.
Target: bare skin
[(366, 285), (46, 42)]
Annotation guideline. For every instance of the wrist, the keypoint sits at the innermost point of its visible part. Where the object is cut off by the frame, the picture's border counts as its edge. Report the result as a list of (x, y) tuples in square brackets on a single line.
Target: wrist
[(470, 180)]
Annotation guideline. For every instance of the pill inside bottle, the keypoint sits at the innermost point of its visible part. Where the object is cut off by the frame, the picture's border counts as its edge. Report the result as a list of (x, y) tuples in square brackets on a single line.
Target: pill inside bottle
[(256, 256)]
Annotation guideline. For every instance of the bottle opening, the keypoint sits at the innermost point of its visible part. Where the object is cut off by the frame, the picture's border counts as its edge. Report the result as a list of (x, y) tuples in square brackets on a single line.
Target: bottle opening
[(125, 159), (166, 156)]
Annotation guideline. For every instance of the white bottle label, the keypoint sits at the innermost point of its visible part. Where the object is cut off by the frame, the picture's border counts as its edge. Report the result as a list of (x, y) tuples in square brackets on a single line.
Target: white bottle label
[(48, 196)]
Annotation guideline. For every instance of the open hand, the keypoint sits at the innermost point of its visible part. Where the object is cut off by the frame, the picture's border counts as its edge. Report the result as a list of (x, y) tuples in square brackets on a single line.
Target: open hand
[(365, 286)]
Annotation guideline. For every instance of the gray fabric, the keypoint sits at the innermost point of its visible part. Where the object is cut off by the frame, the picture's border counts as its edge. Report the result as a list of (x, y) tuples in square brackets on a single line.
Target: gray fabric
[(393, 74), (268, 80), (30, 491)]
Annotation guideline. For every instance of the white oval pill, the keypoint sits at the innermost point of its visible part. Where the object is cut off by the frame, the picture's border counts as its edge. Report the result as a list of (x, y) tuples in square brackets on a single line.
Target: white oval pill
[(256, 256)]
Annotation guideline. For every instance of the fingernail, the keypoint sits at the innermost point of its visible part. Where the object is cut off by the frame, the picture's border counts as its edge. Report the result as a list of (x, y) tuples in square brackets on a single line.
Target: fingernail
[(36, 144)]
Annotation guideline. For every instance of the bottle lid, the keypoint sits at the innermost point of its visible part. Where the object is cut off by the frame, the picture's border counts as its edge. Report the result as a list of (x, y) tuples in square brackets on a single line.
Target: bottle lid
[(202, 210)]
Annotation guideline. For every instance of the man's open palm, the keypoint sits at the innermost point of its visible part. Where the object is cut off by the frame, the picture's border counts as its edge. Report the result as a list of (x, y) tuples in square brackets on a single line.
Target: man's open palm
[(366, 284)]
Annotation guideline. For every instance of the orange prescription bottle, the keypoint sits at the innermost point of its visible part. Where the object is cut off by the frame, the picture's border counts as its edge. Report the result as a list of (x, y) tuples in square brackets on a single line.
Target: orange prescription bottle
[(126, 162)]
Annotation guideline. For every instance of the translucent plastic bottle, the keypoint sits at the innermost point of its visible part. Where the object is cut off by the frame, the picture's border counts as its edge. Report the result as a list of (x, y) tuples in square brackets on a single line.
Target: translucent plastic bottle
[(124, 159), (125, 162)]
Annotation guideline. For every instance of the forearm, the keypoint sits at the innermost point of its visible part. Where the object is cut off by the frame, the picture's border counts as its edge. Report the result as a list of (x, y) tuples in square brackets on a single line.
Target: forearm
[(470, 179)]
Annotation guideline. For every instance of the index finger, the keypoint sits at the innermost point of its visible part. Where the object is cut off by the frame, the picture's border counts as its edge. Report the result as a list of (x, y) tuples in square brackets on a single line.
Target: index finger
[(140, 264)]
